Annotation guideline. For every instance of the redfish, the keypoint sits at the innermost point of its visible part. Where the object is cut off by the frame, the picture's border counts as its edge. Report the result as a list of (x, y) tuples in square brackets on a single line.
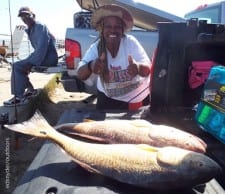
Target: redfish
[(140, 165), (135, 132)]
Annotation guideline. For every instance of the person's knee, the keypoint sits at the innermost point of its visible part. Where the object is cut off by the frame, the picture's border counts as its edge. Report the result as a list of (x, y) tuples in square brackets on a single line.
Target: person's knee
[(22, 67)]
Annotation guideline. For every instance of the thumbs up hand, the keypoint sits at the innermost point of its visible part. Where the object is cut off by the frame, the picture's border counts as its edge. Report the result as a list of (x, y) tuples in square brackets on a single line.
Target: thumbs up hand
[(132, 67), (98, 64)]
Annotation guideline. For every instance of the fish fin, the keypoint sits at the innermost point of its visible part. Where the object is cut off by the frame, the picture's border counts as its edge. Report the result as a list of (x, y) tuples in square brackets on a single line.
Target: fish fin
[(73, 134), (69, 129), (36, 126), (148, 148), (86, 167)]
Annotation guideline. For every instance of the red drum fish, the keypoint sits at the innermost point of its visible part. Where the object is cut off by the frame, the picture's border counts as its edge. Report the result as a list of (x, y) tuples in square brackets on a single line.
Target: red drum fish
[(134, 132), (136, 164)]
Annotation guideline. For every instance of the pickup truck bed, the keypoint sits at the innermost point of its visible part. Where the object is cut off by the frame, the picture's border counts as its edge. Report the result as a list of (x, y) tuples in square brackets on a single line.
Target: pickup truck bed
[(52, 171)]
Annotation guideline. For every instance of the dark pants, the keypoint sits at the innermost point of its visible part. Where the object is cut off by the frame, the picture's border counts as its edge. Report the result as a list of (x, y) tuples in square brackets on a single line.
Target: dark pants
[(19, 77), (104, 103)]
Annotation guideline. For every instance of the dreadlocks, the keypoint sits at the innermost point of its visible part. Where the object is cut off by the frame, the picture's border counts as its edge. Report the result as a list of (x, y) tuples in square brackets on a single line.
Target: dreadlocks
[(102, 49)]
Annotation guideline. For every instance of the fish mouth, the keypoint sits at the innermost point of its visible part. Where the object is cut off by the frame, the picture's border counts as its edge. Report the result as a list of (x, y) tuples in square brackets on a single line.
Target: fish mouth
[(197, 145)]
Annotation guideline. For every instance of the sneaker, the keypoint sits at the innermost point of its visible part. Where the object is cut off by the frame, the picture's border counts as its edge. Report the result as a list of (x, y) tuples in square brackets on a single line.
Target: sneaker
[(30, 93), (15, 100)]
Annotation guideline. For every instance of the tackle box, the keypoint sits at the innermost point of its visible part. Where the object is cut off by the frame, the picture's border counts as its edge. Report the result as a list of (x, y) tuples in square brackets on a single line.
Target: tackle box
[(211, 108)]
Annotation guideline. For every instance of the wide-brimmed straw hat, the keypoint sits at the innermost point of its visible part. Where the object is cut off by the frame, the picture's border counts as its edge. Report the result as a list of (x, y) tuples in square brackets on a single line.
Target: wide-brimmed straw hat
[(25, 10), (112, 10)]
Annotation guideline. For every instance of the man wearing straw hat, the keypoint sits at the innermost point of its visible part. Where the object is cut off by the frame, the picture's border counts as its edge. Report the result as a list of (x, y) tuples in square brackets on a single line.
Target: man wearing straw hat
[(117, 59)]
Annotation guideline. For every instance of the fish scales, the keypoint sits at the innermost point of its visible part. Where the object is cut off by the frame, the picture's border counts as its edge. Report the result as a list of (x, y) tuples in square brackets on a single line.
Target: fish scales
[(115, 129), (123, 162), (140, 165), (137, 132)]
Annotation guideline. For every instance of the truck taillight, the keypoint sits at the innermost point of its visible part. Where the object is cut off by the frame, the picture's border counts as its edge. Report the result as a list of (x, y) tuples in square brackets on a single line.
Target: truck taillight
[(73, 53)]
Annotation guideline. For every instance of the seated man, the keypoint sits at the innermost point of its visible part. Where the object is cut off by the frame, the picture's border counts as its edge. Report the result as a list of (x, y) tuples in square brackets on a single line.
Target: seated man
[(44, 54)]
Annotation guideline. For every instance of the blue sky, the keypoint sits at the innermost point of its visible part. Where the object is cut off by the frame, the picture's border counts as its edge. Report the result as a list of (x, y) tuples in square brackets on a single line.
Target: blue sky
[(58, 14)]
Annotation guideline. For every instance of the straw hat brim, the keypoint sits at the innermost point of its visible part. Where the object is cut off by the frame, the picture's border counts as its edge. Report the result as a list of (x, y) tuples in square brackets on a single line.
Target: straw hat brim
[(112, 10)]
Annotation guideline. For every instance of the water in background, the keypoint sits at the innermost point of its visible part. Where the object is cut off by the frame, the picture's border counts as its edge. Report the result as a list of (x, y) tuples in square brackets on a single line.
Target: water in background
[(25, 47)]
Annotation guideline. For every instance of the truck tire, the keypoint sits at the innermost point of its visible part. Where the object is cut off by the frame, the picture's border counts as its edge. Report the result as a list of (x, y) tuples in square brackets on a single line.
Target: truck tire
[(72, 84)]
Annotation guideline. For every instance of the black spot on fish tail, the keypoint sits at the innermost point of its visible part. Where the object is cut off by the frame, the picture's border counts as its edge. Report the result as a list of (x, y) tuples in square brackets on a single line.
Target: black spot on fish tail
[(43, 132)]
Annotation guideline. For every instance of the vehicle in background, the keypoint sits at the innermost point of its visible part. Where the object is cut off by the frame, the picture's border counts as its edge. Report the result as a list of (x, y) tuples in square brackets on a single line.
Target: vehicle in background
[(213, 13), (81, 36)]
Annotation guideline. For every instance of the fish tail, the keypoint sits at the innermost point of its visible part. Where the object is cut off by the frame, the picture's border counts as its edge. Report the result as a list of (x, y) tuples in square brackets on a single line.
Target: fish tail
[(36, 126)]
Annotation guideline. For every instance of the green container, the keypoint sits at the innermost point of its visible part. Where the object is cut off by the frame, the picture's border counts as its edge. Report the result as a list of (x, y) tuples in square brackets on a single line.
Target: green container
[(211, 120)]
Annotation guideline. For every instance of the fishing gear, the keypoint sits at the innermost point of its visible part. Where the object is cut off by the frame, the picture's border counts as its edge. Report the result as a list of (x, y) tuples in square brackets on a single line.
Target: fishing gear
[(13, 74), (12, 51)]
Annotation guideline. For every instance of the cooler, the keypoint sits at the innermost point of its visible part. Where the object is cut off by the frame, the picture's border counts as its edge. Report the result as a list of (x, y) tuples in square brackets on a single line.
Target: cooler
[(211, 109)]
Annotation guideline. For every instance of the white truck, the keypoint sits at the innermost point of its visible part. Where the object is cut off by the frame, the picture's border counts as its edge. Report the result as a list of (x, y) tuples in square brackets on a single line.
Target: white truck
[(213, 13), (81, 36)]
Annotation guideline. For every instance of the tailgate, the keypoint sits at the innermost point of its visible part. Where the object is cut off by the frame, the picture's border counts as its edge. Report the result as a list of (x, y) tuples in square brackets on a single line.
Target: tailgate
[(145, 16)]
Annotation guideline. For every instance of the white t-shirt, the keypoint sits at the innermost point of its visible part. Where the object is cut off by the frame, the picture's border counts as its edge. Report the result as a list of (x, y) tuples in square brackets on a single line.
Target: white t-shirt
[(121, 86)]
